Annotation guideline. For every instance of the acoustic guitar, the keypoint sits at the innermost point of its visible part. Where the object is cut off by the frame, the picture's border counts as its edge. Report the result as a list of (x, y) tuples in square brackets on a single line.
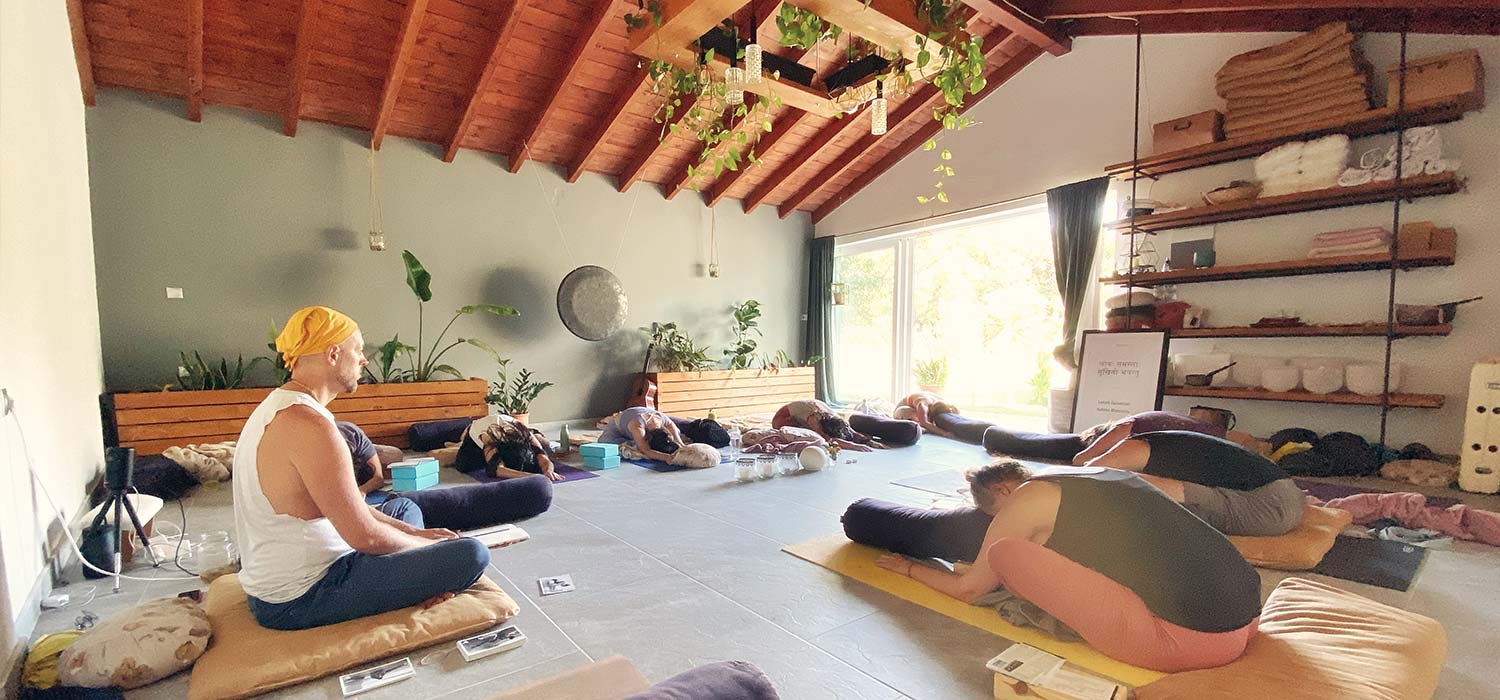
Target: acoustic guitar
[(643, 390)]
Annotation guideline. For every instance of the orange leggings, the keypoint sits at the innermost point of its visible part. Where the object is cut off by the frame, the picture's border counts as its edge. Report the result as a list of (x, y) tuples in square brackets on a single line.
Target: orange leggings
[(1109, 616)]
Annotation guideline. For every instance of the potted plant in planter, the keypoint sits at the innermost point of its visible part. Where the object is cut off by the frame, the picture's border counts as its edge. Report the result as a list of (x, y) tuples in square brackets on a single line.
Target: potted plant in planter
[(513, 395), (932, 374)]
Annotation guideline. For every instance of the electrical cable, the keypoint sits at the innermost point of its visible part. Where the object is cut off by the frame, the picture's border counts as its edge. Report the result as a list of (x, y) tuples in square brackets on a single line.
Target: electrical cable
[(68, 530)]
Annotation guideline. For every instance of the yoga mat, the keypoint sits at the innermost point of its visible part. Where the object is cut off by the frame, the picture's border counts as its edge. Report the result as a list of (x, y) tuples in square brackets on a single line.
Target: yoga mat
[(568, 474), (664, 468), (951, 482), (1383, 563), (1327, 492), (837, 554)]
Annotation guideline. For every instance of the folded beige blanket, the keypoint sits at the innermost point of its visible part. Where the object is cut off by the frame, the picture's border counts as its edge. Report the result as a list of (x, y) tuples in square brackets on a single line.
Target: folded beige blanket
[(206, 462)]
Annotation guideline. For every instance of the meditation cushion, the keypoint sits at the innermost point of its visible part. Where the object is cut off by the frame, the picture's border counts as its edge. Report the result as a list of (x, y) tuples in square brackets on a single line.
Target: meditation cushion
[(726, 680), (1300, 549), (901, 433), (695, 455), (137, 647), (1318, 642), (246, 659), (433, 434)]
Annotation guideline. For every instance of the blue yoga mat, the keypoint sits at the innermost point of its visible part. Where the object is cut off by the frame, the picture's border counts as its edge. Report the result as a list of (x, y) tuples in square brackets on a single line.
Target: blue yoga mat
[(568, 473)]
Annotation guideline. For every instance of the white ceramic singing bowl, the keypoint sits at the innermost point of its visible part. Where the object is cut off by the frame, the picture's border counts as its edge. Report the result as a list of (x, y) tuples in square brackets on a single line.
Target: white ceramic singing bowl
[(1368, 379), (1323, 380), (813, 458), (1280, 378)]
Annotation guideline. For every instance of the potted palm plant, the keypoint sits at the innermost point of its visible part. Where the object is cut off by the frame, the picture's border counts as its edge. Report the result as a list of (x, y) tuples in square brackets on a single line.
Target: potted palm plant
[(932, 374), (513, 395)]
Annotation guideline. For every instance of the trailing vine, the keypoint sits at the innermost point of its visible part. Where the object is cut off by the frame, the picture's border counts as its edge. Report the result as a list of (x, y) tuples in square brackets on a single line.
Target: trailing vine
[(801, 29), (960, 73)]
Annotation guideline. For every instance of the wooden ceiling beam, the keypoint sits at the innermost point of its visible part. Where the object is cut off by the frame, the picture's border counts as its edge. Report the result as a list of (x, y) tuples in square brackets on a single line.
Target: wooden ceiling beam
[(652, 147), (395, 76), (593, 29), (1075, 9), (81, 51), (626, 95), (915, 106), (779, 129), (195, 61), (802, 157), (492, 64), (686, 177), (994, 79), (1438, 20), (1006, 14), (307, 16)]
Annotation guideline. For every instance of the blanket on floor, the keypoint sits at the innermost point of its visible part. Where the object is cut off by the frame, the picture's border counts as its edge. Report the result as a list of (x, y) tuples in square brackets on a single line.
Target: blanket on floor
[(1412, 511), (790, 440), (206, 462)]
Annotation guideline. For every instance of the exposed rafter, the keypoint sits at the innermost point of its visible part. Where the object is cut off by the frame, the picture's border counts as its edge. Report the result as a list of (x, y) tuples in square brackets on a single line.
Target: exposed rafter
[(1070, 9), (307, 19), (195, 61), (592, 29), (1423, 20), (779, 129), (686, 178), (994, 79), (918, 105), (1005, 14), (406, 39), (502, 38), (803, 156), (81, 51), (652, 147), (626, 95)]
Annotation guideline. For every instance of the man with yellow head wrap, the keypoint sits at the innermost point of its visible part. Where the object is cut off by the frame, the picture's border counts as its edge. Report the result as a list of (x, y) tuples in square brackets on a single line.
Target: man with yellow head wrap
[(312, 551)]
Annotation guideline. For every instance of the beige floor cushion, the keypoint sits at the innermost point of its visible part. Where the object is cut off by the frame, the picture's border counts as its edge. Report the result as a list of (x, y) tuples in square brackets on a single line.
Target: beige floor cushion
[(610, 679), (1303, 547), (138, 646), (1317, 642), (246, 659)]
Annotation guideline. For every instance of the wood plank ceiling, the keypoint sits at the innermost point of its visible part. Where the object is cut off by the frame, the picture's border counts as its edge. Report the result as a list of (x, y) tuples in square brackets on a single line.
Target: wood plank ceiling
[(552, 80)]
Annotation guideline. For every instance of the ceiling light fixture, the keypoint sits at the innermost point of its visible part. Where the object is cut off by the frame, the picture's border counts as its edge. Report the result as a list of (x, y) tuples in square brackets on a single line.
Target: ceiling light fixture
[(877, 109), (753, 53)]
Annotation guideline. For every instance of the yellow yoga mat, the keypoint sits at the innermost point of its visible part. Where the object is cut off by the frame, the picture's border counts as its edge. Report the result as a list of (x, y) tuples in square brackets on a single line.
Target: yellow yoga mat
[(837, 554)]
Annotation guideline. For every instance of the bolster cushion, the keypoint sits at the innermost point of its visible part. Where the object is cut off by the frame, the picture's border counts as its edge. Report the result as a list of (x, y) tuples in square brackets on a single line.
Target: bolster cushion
[(1301, 548), (889, 430)]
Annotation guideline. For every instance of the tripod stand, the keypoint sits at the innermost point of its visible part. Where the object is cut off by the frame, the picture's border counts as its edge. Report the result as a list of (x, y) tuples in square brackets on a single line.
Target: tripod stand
[(119, 478)]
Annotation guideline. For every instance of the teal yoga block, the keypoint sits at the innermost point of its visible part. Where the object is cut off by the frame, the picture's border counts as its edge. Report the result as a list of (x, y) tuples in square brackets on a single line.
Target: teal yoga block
[(599, 449), (601, 462), (414, 468), (414, 484)]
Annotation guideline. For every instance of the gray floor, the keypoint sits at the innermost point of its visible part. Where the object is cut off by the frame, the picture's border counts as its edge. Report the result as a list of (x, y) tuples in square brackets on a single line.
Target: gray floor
[(679, 569)]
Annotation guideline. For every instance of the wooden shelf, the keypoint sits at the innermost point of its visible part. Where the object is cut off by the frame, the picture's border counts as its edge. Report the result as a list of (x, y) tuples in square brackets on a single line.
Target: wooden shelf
[(1338, 331), (1283, 268), (1375, 121), (1330, 198), (1338, 397)]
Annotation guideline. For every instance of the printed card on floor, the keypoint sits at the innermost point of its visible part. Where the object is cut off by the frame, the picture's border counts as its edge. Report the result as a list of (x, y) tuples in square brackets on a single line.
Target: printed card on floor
[(552, 585), (378, 676), (480, 646), (1024, 663)]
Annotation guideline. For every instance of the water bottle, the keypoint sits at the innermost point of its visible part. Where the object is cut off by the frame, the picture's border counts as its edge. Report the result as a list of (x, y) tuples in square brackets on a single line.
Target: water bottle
[(734, 442)]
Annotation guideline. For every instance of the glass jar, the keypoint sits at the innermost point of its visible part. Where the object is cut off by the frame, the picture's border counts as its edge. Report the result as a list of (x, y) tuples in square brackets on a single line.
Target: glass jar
[(734, 442), (787, 464), (744, 469), (210, 550), (765, 466)]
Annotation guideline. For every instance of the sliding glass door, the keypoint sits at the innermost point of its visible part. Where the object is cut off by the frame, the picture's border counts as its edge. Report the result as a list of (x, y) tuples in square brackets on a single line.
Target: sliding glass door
[(865, 324)]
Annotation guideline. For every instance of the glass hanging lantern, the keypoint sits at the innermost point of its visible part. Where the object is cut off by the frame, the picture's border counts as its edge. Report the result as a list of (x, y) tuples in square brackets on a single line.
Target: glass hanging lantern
[(877, 110), (734, 85), (836, 290), (753, 54), (377, 227)]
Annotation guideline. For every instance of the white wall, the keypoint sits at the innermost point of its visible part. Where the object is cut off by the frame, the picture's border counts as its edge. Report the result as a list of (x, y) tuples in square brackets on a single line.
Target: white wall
[(49, 320), (1064, 119)]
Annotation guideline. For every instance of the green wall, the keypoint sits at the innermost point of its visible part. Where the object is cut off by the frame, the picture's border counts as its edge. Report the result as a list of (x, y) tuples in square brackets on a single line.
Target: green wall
[(252, 224)]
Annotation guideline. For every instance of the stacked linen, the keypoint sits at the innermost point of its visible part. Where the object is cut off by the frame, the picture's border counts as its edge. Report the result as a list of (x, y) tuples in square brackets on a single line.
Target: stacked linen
[(1300, 166), (1314, 77), (1357, 241)]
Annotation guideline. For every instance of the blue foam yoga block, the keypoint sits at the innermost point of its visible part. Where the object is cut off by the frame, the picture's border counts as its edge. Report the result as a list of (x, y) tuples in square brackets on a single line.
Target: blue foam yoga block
[(414, 468), (601, 462), (599, 449), (416, 484)]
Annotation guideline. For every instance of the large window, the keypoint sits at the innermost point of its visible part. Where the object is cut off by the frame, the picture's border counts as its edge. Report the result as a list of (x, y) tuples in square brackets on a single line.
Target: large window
[(969, 310)]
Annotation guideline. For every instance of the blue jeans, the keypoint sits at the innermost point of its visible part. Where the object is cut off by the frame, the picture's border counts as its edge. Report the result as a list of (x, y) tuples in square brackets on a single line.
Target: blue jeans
[(398, 507), (359, 585)]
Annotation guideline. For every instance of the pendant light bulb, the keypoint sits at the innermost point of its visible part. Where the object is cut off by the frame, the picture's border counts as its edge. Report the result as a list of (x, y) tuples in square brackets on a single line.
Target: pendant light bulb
[(877, 112), (734, 85), (752, 63)]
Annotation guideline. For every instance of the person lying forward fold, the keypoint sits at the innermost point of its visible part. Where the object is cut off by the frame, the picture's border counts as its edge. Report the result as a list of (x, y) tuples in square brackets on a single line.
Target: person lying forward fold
[(818, 417), (649, 430), (1137, 576), (506, 449), (313, 552)]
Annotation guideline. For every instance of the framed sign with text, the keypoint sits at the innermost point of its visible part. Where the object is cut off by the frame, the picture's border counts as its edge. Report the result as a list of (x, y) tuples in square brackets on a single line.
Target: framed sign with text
[(1120, 374)]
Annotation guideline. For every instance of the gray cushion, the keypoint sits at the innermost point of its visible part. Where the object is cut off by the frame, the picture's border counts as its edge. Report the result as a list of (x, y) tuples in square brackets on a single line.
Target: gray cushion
[(726, 680)]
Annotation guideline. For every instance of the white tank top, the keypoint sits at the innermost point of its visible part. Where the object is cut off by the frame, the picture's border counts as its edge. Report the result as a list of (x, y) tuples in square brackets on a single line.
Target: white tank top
[(281, 556)]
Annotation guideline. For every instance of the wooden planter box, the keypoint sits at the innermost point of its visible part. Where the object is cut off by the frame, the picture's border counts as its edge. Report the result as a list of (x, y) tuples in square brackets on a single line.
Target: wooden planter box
[(153, 421), (731, 392)]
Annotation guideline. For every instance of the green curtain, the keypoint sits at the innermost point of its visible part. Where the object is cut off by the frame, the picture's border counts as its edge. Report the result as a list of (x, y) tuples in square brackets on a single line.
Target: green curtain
[(1076, 212), (817, 336)]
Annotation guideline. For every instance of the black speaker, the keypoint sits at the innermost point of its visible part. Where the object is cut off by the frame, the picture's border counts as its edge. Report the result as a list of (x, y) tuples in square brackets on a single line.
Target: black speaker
[(119, 468), (98, 548)]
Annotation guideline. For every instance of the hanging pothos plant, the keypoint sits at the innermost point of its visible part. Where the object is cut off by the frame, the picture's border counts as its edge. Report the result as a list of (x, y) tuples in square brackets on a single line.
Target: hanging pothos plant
[(959, 74), (709, 116)]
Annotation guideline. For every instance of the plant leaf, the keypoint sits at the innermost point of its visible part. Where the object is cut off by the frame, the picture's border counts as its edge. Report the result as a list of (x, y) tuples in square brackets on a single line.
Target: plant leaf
[(448, 370), (417, 277), (490, 308)]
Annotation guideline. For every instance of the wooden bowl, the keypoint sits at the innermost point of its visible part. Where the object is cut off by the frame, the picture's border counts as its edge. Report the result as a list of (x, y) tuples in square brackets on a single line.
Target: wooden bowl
[(1225, 195)]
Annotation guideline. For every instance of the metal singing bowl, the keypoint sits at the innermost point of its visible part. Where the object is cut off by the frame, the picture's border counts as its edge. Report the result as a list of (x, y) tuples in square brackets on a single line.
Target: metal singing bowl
[(591, 303), (1205, 379)]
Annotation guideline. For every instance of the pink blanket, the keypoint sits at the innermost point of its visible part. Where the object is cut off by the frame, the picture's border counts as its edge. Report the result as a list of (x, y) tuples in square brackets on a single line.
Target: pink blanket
[(789, 440), (1411, 509)]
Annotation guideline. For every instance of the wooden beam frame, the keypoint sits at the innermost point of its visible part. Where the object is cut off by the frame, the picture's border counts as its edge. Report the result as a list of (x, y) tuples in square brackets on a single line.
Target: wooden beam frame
[(406, 39), (653, 146), (81, 51), (195, 61), (789, 120), (917, 105), (622, 102), (507, 28), (801, 158), (1074, 9), (1005, 14), (994, 79), (307, 17), (593, 29)]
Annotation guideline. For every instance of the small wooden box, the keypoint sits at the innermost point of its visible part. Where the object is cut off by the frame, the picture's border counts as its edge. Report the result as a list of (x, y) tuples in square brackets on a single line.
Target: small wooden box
[(1186, 132), (1450, 75)]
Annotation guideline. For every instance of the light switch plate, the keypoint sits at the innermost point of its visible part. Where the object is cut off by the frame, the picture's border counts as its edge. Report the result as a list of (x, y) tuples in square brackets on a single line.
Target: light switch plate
[(174, 292)]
